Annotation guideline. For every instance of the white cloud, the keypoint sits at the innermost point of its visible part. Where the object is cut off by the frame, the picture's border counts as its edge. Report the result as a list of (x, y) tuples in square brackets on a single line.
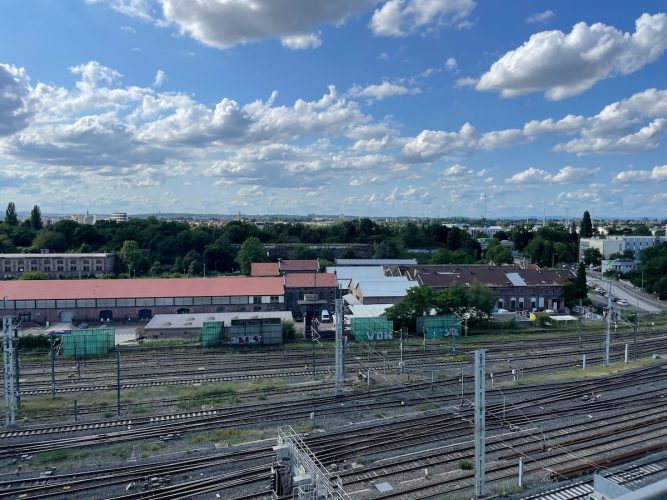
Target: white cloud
[(301, 42), (565, 175), (15, 107), (659, 173), (140, 9), (451, 64), (223, 24), (403, 17), (563, 65), (377, 92), (466, 81), (160, 78), (540, 17)]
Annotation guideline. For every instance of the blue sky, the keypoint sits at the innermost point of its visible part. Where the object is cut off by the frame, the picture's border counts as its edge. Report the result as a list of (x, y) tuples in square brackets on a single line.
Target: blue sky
[(363, 107)]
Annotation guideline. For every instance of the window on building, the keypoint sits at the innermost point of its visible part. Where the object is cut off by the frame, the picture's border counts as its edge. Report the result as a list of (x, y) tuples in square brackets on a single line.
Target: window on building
[(61, 267), (256, 308), (98, 267), (257, 300), (47, 267), (86, 268), (274, 299)]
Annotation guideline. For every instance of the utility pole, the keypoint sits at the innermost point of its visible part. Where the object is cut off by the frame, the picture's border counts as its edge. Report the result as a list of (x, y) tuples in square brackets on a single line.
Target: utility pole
[(340, 354), (400, 363), (9, 348), (480, 422), (53, 366), (579, 327), (607, 342), (117, 381), (634, 335)]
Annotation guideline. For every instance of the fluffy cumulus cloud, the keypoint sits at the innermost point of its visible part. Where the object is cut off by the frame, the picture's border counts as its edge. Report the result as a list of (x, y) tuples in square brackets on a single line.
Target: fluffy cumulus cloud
[(563, 65), (377, 92), (565, 175), (658, 173), (401, 18), (15, 108), (226, 23)]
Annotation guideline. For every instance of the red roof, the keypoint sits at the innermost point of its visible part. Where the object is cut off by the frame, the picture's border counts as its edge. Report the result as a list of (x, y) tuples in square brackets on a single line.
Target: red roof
[(264, 269), (300, 265), (310, 280), (146, 287)]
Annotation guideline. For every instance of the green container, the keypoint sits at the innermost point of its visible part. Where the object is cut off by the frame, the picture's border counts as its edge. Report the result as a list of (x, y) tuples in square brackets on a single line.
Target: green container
[(256, 331), (438, 327), (371, 329), (88, 342), (211, 333)]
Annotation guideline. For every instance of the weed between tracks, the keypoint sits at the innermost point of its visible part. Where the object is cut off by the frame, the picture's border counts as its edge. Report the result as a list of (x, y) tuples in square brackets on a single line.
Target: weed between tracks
[(64, 458)]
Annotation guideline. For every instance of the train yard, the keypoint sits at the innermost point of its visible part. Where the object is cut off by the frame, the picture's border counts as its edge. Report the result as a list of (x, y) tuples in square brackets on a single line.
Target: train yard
[(200, 423)]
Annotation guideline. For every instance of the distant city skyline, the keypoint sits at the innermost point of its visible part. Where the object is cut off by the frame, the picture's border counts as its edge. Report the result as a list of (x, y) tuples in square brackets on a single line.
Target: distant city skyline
[(380, 108)]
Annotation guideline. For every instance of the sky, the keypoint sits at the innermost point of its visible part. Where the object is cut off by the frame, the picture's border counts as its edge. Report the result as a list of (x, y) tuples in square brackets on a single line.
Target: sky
[(359, 107)]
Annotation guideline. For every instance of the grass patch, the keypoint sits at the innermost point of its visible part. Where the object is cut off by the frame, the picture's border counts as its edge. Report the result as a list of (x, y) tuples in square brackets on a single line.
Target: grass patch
[(58, 457), (151, 446), (230, 436), (592, 371)]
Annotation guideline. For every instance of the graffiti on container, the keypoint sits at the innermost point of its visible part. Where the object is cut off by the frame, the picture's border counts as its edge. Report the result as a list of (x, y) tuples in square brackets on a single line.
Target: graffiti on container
[(380, 335), (248, 339), (442, 332)]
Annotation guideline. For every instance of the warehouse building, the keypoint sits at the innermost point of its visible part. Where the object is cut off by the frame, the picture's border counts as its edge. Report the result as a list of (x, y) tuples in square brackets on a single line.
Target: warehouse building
[(189, 326), (514, 288), (315, 286), (138, 299), (284, 267), (57, 265)]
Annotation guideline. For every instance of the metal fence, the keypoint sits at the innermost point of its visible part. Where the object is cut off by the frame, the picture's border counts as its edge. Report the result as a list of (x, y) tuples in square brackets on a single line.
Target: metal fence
[(438, 327), (88, 342), (367, 329)]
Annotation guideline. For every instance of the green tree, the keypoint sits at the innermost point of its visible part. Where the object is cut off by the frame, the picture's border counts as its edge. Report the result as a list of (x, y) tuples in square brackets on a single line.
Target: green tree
[(51, 240), (580, 290), (131, 255), (6, 244), (586, 226), (481, 298), (387, 249), (592, 257), (36, 218), (10, 215), (251, 251), (498, 254), (302, 252)]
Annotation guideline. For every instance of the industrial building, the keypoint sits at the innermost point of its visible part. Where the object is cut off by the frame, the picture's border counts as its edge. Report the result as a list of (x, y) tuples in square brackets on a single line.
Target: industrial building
[(515, 288), (618, 244), (189, 326), (284, 267), (319, 287), (138, 299), (57, 265)]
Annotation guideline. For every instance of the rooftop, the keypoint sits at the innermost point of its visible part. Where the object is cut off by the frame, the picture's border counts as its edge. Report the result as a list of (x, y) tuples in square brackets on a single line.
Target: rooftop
[(54, 255), (299, 265), (375, 262), (145, 287), (310, 280), (493, 276), (264, 269)]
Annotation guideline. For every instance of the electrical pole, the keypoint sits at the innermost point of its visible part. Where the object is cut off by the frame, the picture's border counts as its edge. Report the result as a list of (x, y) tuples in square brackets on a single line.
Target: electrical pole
[(634, 339), (117, 381), (53, 366), (340, 355), (607, 342), (579, 328), (400, 363), (9, 349), (480, 422)]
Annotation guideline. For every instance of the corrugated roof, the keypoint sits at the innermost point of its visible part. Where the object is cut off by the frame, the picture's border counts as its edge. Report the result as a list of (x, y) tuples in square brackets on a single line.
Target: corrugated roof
[(310, 280), (385, 289), (180, 321), (264, 269), (300, 265), (368, 310), (516, 279), (494, 276), (375, 262), (356, 272), (146, 287)]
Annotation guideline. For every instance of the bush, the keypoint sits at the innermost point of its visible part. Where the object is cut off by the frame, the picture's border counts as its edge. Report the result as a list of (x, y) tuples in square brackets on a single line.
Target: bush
[(288, 329), (465, 464), (542, 319), (34, 343)]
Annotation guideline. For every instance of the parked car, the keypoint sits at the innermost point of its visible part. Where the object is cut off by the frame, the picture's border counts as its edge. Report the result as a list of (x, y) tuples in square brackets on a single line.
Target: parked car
[(326, 317), (622, 302)]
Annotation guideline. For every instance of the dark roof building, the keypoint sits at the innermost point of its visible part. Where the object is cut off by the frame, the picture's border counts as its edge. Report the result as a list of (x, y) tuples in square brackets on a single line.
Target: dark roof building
[(318, 286), (515, 288)]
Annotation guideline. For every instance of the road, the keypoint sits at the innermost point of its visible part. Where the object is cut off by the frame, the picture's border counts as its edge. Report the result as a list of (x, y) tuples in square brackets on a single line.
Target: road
[(644, 301)]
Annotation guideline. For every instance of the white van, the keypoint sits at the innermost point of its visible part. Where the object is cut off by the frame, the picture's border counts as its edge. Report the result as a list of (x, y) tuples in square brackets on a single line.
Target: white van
[(326, 317)]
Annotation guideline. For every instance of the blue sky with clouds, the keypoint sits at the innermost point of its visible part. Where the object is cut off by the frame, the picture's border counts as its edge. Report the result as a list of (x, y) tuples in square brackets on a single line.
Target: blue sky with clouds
[(366, 107)]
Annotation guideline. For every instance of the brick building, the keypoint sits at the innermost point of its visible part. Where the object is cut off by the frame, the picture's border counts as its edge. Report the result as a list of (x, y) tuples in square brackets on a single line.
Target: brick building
[(96, 300), (319, 287), (57, 265)]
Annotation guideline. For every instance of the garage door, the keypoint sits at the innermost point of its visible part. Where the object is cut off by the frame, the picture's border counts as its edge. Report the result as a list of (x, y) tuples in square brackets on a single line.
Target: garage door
[(66, 316), (145, 314), (106, 315)]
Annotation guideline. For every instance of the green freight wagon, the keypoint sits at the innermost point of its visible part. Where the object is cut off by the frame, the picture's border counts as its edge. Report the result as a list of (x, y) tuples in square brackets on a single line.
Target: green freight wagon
[(211, 333), (367, 329), (88, 342), (438, 327)]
